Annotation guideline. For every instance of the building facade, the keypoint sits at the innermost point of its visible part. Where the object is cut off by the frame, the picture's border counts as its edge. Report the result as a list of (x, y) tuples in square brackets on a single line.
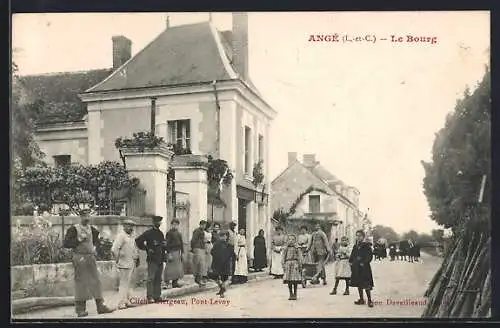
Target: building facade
[(195, 80), (311, 192)]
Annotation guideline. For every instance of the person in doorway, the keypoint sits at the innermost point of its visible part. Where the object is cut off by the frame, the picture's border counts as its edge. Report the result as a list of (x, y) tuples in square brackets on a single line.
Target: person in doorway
[(232, 241), (292, 266), (259, 252), (208, 255), (361, 276), (222, 256), (304, 243), (174, 252), (277, 246), (241, 269), (152, 241), (199, 253), (126, 256), (342, 266), (83, 239), (320, 252)]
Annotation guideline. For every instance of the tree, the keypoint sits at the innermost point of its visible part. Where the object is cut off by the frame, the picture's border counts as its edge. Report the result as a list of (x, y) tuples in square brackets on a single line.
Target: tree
[(380, 231), (412, 234), (460, 157)]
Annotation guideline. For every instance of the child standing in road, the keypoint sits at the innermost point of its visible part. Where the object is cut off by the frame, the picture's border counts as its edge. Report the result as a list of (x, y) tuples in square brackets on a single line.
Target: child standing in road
[(292, 266), (342, 265), (222, 256)]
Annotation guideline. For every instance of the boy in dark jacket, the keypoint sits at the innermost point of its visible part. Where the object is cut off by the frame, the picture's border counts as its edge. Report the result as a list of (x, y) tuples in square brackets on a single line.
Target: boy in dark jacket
[(222, 256)]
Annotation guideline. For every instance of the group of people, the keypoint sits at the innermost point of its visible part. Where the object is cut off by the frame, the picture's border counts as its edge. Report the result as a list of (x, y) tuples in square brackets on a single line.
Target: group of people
[(406, 250), (290, 253)]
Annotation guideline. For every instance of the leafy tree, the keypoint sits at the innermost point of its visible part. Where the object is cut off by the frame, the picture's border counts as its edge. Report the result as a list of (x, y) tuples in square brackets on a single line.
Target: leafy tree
[(380, 231), (412, 234), (460, 157)]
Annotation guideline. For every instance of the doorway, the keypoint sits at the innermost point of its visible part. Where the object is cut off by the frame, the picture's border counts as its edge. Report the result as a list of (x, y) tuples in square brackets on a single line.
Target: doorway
[(242, 213)]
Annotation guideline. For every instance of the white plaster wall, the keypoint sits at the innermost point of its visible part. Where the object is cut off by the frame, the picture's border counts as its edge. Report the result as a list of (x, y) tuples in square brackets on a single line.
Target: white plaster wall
[(94, 133), (74, 147), (327, 203)]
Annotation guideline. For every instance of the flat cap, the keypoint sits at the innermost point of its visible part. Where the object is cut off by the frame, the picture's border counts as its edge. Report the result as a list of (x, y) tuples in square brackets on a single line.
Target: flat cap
[(157, 218)]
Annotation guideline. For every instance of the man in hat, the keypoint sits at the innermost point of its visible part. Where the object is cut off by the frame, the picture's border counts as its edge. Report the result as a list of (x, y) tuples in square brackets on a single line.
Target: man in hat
[(320, 252), (152, 241), (174, 247), (198, 250), (231, 240), (83, 239), (127, 259)]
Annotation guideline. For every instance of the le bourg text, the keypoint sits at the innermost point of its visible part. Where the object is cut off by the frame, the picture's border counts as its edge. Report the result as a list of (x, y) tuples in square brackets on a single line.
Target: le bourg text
[(372, 38)]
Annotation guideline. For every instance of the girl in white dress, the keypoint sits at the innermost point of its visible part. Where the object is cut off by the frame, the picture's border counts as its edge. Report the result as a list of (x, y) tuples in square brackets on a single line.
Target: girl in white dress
[(241, 267), (342, 265)]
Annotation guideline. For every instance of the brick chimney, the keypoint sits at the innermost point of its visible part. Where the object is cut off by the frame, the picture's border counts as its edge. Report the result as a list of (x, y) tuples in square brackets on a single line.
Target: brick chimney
[(240, 44), (292, 158), (309, 160), (122, 50)]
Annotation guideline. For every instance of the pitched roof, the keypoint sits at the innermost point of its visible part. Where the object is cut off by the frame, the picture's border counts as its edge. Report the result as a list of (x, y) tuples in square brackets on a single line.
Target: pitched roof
[(179, 55), (57, 93)]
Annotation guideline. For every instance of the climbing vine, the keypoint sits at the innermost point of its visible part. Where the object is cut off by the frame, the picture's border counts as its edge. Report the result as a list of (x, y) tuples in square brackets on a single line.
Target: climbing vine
[(281, 214), (258, 174)]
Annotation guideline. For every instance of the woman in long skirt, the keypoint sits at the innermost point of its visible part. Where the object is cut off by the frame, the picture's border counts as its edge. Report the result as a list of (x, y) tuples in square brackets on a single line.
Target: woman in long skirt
[(241, 268), (278, 245), (259, 252), (208, 255), (342, 266), (292, 267), (361, 276), (304, 242)]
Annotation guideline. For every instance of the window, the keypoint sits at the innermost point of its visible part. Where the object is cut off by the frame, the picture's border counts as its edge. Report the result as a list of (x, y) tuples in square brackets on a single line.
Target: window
[(261, 148), (314, 204), (179, 133), (247, 150), (62, 160)]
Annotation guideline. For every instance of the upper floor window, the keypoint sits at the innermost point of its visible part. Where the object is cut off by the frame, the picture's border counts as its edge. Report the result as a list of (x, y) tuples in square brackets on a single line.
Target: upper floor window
[(62, 160), (179, 133), (314, 204), (248, 149), (261, 147)]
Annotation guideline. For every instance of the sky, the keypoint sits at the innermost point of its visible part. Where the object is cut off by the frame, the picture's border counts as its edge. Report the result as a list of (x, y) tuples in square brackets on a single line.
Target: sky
[(369, 111)]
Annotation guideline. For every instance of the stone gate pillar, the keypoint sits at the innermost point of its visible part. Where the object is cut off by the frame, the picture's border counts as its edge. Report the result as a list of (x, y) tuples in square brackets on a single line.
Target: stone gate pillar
[(150, 166), (191, 178)]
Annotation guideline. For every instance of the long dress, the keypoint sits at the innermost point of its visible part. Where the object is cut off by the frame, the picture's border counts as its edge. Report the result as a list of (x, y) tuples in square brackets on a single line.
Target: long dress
[(360, 259), (208, 250), (259, 253), (342, 265), (292, 263), (174, 268), (241, 265), (222, 255), (278, 244), (304, 242)]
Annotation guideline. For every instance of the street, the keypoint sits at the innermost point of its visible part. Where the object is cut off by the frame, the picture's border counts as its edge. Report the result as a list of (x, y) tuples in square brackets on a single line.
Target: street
[(395, 282)]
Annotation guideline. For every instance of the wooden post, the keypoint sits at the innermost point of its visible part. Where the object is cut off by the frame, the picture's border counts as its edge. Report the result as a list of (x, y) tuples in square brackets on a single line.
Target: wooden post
[(153, 116)]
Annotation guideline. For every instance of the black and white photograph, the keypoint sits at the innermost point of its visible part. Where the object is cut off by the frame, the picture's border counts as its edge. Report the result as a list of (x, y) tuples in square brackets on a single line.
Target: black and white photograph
[(250, 165)]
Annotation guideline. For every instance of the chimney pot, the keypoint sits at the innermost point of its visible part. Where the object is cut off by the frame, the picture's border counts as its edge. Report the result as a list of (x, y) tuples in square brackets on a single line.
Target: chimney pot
[(122, 50), (292, 158), (240, 44), (309, 159)]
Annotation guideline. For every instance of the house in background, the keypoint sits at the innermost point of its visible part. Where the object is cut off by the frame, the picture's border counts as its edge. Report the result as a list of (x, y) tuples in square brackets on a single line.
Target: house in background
[(196, 81), (306, 190)]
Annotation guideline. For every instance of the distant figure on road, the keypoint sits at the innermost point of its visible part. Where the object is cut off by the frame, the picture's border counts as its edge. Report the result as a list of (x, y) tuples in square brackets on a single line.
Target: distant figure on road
[(127, 259), (277, 246), (174, 249), (199, 253), (342, 266), (361, 276), (392, 251), (83, 239), (259, 251), (241, 269), (153, 242), (320, 251), (292, 266), (222, 256)]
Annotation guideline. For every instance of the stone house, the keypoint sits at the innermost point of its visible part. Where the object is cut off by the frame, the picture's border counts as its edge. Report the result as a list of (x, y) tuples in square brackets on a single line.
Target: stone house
[(309, 191), (195, 80)]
